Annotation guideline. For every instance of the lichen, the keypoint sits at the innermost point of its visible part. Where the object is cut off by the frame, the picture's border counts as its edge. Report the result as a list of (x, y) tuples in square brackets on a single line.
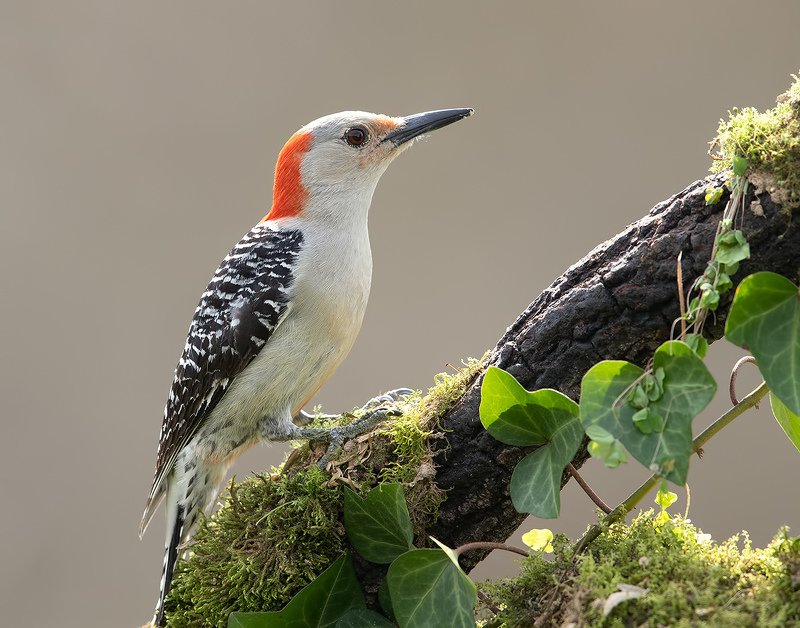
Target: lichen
[(274, 533), (690, 580), (770, 142)]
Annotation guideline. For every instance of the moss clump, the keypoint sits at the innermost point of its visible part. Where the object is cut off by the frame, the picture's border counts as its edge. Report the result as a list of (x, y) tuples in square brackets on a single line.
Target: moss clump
[(690, 580), (411, 439), (402, 449), (269, 539), (275, 533), (770, 142)]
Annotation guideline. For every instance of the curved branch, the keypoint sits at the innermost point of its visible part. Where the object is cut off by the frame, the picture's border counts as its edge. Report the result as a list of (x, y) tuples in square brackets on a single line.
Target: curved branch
[(618, 302)]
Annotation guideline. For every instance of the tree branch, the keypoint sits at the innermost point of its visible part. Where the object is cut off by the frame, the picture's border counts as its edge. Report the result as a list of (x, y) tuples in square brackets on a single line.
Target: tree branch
[(619, 302)]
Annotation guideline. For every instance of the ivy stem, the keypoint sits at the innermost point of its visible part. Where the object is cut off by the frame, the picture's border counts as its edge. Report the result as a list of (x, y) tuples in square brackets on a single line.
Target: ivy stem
[(490, 546), (618, 513), (588, 489), (634, 498), (745, 404), (735, 373), (681, 299)]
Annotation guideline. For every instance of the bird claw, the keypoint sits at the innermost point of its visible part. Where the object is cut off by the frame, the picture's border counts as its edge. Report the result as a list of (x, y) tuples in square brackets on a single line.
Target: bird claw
[(390, 396), (337, 436), (304, 418)]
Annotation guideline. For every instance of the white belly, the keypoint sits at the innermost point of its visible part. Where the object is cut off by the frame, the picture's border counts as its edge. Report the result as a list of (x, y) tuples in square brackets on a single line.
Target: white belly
[(328, 302)]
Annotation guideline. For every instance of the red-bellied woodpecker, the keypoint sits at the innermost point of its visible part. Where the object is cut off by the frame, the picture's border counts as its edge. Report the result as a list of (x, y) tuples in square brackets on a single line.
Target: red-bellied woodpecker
[(279, 316)]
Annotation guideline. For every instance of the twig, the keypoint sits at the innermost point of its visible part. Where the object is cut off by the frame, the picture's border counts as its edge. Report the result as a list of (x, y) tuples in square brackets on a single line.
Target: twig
[(588, 489), (735, 373), (549, 602), (634, 498), (487, 601), (490, 546), (688, 499), (681, 300)]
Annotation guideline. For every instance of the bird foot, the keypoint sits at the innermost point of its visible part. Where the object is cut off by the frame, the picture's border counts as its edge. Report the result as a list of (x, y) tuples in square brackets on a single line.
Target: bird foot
[(307, 418), (337, 436)]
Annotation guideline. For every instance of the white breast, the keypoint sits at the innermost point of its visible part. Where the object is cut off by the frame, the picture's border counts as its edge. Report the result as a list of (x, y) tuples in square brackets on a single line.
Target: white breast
[(329, 298)]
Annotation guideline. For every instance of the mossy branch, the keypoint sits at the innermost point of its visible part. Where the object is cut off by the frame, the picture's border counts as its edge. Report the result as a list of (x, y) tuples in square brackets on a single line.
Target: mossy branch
[(682, 577), (619, 302)]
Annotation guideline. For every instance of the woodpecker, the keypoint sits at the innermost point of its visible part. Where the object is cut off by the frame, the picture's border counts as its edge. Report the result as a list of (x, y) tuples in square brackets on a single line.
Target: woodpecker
[(279, 315)]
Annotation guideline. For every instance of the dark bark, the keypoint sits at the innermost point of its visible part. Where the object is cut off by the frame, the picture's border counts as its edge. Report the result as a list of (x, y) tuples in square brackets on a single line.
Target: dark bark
[(619, 302)]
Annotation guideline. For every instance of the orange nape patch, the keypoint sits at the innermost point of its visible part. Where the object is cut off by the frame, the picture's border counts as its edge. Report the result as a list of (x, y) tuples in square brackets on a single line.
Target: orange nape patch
[(384, 124), (289, 195)]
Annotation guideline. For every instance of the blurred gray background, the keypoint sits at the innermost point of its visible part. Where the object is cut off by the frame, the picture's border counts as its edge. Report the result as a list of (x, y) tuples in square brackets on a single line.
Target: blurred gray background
[(137, 144)]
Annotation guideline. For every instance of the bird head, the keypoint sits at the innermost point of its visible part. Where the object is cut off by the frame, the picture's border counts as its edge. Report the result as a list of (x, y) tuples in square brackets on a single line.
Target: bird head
[(333, 164)]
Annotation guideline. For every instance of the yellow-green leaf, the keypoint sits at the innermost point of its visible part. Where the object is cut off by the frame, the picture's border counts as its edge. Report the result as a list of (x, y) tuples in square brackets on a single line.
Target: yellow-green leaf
[(539, 540)]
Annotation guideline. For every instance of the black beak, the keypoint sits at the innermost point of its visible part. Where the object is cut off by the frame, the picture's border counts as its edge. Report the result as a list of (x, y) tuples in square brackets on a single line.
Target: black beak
[(421, 123)]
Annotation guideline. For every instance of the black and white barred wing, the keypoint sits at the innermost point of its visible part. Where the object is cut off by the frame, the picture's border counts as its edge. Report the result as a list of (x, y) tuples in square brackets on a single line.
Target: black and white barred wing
[(243, 304)]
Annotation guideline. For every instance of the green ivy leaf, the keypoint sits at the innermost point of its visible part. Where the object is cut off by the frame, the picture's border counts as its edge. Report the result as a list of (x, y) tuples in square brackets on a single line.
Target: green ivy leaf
[(724, 283), (732, 247), (384, 599), (693, 310), (600, 435), (363, 618), (546, 418), (428, 589), (319, 605), (648, 421), (515, 416), (739, 166), (653, 384), (249, 620), (688, 388), (729, 269), (709, 299), (765, 318), (662, 517), (612, 453), (536, 481), (553, 418), (638, 397), (378, 527), (788, 420), (698, 344), (665, 499)]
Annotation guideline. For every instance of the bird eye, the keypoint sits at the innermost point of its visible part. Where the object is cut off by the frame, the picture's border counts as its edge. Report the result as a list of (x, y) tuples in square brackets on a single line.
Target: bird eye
[(357, 136)]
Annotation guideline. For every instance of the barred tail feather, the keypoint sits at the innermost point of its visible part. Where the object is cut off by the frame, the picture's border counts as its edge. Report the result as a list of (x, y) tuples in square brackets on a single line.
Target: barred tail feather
[(174, 535), (190, 489)]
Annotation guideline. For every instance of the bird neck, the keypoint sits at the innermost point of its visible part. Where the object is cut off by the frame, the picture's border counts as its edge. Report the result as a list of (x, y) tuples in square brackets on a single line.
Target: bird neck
[(340, 206)]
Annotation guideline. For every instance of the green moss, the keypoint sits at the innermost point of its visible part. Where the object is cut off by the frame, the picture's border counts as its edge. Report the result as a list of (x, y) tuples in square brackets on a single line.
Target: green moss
[(691, 580), (770, 142), (410, 434), (270, 538), (275, 533), (411, 441)]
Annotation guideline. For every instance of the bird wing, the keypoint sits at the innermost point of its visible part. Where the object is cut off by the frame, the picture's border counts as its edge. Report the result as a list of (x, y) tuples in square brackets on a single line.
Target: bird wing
[(245, 301)]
